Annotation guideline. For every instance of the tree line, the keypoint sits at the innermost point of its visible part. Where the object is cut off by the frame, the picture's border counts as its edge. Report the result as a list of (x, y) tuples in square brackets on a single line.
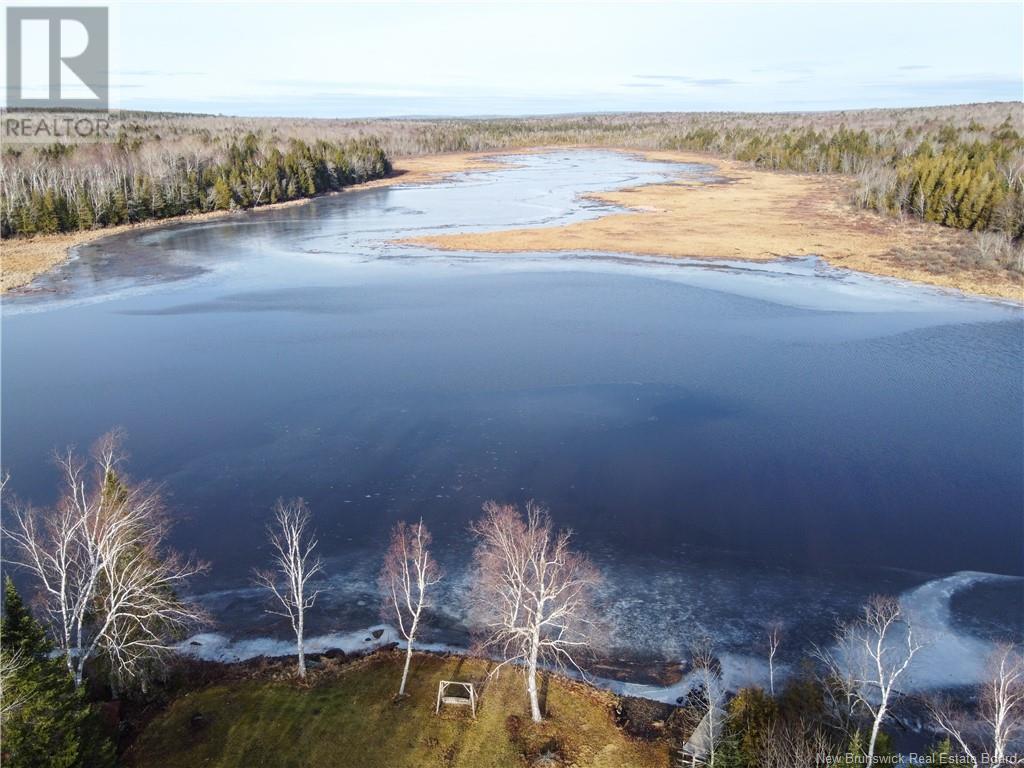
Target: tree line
[(960, 166), (110, 595), (66, 188), (974, 182)]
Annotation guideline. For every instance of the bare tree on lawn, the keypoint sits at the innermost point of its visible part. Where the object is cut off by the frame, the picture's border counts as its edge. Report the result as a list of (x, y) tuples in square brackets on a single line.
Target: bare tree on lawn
[(533, 596), (108, 583), (294, 565), (408, 573), (1000, 720), (871, 655)]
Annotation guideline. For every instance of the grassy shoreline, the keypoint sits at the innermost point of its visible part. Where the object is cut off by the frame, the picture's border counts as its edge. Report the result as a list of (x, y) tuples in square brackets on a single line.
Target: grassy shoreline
[(347, 715), (757, 215)]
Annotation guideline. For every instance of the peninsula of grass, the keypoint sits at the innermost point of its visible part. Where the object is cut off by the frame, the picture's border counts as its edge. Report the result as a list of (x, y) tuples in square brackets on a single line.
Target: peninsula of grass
[(347, 715)]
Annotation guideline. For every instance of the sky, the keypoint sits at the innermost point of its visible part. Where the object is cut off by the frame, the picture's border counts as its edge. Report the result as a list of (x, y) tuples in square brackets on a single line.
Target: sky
[(419, 58)]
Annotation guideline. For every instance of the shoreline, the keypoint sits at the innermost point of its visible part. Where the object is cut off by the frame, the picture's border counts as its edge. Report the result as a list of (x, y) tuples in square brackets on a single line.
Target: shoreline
[(749, 214), (651, 678), (666, 682), (954, 660), (22, 260), (744, 214)]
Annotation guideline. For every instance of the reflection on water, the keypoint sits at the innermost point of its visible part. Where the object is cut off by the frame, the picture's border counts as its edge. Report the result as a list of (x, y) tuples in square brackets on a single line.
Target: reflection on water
[(734, 442)]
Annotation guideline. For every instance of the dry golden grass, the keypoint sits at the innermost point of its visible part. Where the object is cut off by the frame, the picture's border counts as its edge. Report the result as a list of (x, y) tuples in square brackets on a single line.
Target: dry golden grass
[(427, 168), (755, 215), (750, 214)]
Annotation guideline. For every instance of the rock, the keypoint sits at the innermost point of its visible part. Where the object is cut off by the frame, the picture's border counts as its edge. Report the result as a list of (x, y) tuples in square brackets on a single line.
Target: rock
[(642, 718)]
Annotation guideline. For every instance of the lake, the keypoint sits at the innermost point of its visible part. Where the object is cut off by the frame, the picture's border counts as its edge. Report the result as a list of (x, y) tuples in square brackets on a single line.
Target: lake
[(734, 443)]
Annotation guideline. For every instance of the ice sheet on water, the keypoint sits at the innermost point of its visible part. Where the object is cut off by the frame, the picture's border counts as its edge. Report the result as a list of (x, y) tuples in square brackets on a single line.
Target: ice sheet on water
[(659, 610)]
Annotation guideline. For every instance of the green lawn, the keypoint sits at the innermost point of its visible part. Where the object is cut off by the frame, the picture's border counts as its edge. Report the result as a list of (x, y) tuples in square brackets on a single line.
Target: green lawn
[(349, 717)]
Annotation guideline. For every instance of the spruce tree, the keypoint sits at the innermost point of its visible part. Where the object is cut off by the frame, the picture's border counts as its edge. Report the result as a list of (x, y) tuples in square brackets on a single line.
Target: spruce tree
[(221, 195), (85, 214), (52, 724), (19, 630)]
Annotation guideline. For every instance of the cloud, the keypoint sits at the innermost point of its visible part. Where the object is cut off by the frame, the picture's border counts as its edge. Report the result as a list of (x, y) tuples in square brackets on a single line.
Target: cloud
[(978, 87), (159, 73), (907, 67), (699, 81)]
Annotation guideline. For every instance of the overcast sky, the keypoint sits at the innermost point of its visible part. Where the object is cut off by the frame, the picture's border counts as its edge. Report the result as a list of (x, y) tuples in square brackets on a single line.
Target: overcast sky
[(348, 60)]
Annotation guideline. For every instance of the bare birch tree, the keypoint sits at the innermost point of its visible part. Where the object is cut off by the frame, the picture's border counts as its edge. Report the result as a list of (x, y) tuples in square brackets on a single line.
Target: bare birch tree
[(1002, 700), (294, 566), (872, 654), (774, 635), (108, 582), (1000, 719), (533, 596), (408, 573), (792, 745), (709, 713)]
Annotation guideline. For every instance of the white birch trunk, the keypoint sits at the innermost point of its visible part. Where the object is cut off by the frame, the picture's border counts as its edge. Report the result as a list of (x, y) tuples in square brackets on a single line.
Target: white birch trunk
[(875, 726), (405, 670), (531, 683), (293, 547)]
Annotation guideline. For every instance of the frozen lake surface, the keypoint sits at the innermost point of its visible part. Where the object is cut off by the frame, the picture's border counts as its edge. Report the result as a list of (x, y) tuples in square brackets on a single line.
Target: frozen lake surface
[(735, 443)]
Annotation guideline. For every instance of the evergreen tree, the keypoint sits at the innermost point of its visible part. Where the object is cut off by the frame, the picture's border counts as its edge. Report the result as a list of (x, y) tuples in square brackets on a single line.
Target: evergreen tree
[(19, 630), (117, 209), (86, 217), (941, 752), (751, 715), (222, 199), (47, 221), (52, 725)]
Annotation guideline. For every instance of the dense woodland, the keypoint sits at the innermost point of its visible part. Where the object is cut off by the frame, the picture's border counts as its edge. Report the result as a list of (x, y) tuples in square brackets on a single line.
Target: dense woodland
[(63, 188), (960, 166)]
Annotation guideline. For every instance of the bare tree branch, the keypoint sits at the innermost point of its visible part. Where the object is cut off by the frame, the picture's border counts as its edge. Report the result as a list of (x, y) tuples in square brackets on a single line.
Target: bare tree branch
[(870, 657), (774, 636), (11, 665), (710, 714), (294, 565), (988, 738), (107, 582), (532, 595), (408, 573), (791, 745)]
